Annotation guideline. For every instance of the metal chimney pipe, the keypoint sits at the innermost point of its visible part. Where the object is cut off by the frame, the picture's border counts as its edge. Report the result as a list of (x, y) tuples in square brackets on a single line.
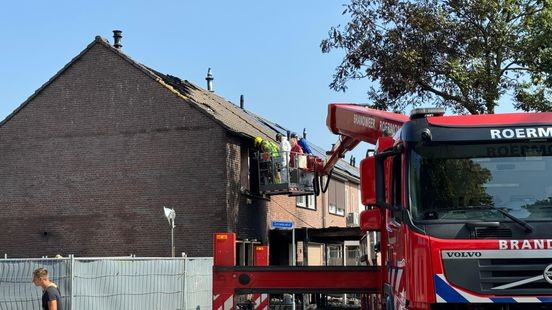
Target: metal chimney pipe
[(209, 80), (117, 36), (242, 102)]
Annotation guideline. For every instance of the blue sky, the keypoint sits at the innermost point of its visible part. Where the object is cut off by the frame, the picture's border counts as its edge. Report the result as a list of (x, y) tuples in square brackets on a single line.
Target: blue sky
[(267, 51)]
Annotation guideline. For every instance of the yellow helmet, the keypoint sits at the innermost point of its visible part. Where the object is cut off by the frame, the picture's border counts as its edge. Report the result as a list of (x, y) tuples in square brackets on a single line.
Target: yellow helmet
[(258, 141)]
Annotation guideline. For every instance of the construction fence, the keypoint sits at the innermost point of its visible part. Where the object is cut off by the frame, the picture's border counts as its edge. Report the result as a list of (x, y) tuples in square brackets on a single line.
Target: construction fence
[(117, 283)]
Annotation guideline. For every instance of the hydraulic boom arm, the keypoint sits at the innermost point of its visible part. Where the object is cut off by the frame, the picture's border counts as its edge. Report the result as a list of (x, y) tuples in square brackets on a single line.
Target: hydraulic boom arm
[(355, 123)]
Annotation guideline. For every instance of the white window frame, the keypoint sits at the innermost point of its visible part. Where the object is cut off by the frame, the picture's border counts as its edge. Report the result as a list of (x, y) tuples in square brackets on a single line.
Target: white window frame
[(335, 210), (306, 202)]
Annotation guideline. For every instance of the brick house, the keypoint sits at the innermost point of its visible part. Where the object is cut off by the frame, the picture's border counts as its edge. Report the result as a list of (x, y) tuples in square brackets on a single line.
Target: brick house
[(90, 159)]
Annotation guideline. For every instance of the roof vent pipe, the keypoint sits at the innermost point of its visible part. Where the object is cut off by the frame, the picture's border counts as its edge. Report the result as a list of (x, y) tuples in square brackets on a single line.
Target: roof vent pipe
[(242, 102), (117, 36), (209, 80)]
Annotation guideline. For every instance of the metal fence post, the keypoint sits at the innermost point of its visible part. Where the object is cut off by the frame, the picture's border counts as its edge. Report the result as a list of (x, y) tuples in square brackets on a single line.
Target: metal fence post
[(185, 259), (72, 268)]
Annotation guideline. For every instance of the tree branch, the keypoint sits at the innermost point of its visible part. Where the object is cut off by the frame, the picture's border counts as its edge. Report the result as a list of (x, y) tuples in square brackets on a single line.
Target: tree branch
[(446, 96), (519, 69)]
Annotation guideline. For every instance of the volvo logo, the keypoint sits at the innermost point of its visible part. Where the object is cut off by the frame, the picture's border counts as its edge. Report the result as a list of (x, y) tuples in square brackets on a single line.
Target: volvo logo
[(548, 274), (461, 254)]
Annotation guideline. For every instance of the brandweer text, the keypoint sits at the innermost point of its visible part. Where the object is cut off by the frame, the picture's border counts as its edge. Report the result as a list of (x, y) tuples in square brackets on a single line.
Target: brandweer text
[(539, 244)]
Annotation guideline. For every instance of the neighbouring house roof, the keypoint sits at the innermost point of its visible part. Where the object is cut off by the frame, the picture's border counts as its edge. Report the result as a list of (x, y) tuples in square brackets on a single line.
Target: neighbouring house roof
[(235, 119)]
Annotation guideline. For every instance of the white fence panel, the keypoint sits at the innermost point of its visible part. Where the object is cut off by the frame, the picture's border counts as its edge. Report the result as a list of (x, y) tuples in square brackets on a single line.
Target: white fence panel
[(17, 291), (199, 284), (111, 283)]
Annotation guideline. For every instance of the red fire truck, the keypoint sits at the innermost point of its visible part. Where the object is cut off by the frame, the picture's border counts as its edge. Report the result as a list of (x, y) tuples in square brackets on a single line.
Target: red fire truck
[(462, 204)]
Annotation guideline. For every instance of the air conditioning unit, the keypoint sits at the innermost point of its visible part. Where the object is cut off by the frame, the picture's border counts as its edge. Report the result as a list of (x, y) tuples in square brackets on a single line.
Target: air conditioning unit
[(352, 219)]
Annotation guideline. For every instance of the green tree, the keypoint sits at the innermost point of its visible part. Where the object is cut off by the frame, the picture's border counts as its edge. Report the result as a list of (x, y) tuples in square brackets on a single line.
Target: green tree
[(446, 175), (460, 54)]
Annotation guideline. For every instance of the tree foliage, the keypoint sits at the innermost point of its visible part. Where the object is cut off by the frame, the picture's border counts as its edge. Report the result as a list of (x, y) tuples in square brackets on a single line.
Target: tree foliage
[(461, 54), (446, 175)]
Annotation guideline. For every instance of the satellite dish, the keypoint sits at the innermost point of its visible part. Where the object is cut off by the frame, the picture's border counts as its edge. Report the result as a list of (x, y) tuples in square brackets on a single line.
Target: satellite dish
[(170, 215)]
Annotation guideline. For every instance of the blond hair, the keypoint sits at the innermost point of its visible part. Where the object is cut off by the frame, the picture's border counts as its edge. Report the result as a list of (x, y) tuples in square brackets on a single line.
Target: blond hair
[(40, 272)]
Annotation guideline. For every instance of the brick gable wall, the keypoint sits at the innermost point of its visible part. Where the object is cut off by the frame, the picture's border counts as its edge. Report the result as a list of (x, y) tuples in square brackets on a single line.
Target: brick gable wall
[(88, 164)]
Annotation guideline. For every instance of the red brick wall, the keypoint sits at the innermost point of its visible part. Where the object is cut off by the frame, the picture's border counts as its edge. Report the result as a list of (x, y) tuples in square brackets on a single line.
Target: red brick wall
[(93, 158), (285, 208)]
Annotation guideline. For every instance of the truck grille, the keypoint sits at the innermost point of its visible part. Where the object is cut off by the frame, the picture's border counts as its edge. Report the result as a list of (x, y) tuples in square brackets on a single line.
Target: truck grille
[(494, 272), (493, 233)]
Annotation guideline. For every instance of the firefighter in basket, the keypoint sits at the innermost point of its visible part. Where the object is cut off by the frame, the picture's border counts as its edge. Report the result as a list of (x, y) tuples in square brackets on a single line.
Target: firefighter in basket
[(269, 160)]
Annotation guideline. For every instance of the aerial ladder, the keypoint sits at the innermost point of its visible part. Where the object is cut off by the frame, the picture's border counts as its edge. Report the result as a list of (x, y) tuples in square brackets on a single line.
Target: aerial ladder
[(354, 124)]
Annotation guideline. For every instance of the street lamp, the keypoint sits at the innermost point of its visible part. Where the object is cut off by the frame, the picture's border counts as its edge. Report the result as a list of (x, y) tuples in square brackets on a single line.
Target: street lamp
[(170, 215)]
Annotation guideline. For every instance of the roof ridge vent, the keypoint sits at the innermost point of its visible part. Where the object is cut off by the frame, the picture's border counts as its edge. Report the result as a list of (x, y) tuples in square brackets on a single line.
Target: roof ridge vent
[(209, 80)]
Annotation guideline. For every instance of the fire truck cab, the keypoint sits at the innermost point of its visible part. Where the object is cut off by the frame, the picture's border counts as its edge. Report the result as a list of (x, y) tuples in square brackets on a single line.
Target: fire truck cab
[(466, 209)]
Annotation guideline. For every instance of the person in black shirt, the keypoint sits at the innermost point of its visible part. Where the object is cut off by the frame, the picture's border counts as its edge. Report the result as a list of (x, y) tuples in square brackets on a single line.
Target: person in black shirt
[(51, 297)]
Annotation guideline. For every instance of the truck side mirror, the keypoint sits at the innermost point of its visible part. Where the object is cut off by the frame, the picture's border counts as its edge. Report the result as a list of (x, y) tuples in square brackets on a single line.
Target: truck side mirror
[(368, 181), (382, 175), (370, 219)]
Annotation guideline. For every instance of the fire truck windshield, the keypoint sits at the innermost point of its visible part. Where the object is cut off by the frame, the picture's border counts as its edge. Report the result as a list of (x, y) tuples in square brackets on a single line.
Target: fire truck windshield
[(462, 182)]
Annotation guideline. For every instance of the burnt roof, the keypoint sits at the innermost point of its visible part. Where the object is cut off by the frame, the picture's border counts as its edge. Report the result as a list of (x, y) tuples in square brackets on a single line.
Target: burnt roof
[(230, 116)]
